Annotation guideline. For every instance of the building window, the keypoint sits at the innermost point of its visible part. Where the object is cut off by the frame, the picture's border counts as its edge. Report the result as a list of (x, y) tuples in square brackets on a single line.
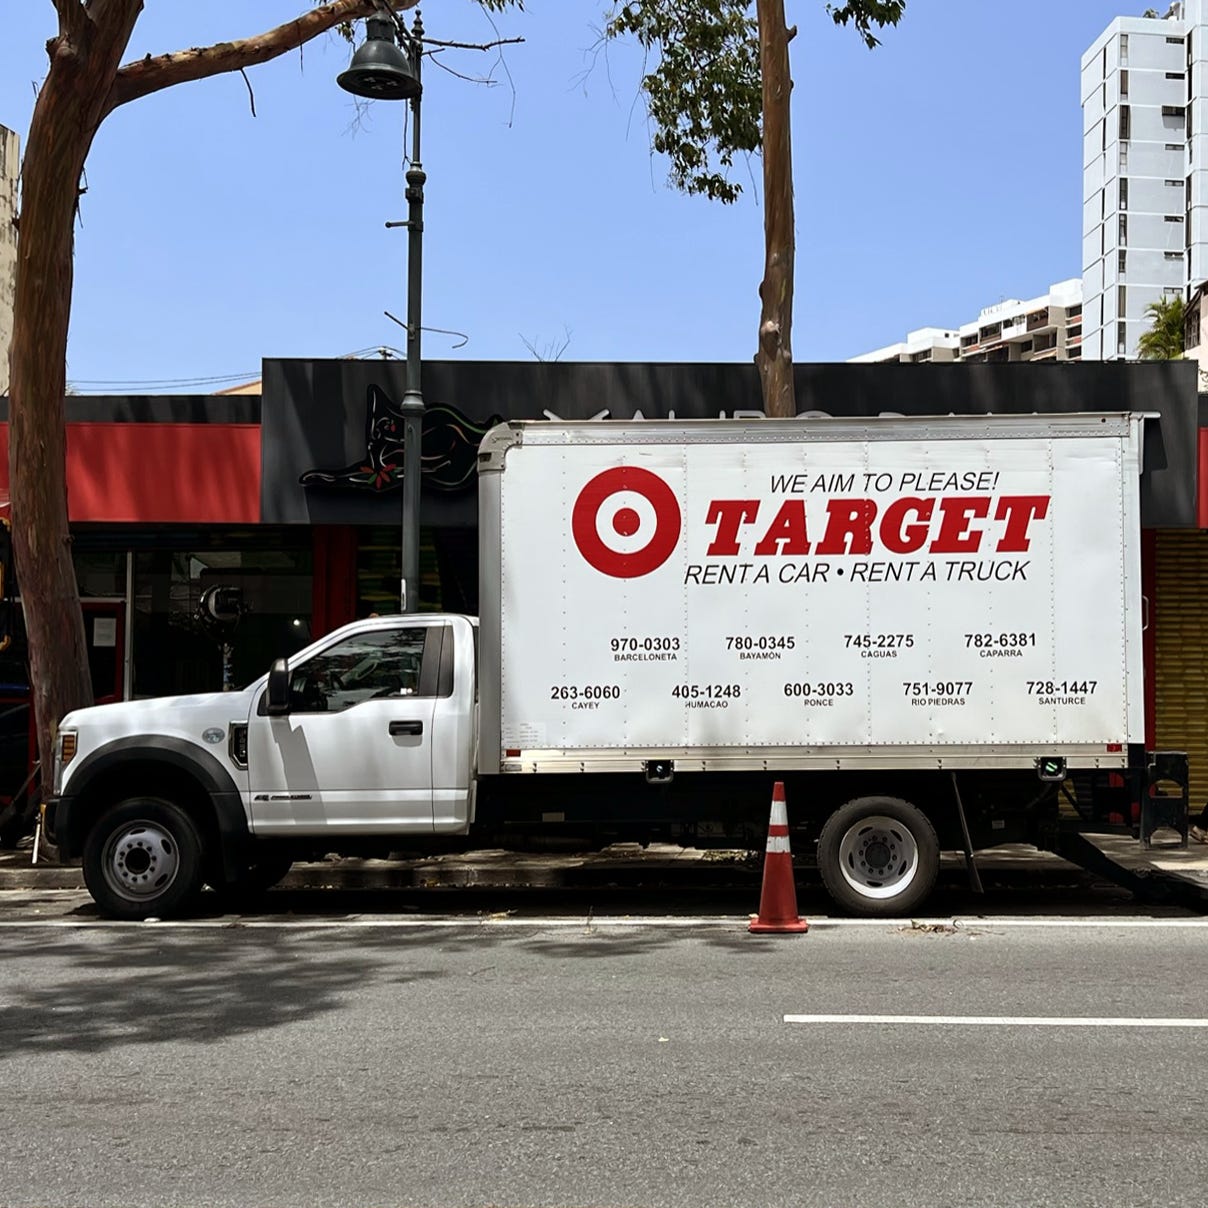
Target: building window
[(1124, 192), (1173, 184), (1173, 255), (174, 653), (1174, 75), (1174, 146), (1121, 338), (1124, 84), (1171, 41), (1121, 262), (1123, 157), (1123, 240), (1103, 239), (1174, 217), (1126, 120), (1121, 300), (1174, 111), (1124, 48)]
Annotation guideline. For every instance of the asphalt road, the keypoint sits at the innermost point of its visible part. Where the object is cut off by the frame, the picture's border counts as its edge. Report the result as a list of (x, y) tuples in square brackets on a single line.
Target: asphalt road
[(397, 1059)]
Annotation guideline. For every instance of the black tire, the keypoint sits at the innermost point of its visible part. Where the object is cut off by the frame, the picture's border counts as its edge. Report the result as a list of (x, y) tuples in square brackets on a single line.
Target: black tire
[(143, 859), (264, 871), (878, 857)]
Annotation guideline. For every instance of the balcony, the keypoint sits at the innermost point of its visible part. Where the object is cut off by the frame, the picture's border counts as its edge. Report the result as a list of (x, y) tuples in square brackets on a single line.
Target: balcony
[(1039, 319)]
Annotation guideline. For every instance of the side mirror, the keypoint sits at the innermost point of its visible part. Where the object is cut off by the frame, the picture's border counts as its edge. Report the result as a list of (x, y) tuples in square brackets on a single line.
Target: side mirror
[(277, 694)]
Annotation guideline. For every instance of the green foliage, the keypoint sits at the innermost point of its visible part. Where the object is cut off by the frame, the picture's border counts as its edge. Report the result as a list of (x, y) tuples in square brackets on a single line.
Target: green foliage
[(704, 94), (347, 29), (864, 14), (1164, 339)]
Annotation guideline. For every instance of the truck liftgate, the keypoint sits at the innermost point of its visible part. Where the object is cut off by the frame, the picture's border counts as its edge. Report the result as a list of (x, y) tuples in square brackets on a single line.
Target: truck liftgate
[(1133, 830)]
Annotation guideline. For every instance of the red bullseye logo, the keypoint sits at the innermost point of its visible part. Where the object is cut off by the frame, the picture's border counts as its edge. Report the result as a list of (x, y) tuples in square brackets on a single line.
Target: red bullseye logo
[(626, 522)]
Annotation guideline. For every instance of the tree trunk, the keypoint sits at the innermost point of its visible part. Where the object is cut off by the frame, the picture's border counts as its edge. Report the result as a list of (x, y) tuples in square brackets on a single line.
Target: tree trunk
[(774, 357), (84, 59), (83, 85)]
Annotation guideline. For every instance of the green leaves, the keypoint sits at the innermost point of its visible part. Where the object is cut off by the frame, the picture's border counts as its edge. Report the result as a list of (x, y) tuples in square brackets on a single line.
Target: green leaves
[(704, 94), (1164, 340), (864, 14)]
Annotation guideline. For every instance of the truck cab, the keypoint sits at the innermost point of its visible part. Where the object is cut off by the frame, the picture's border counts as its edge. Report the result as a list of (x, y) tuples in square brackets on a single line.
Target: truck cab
[(370, 731)]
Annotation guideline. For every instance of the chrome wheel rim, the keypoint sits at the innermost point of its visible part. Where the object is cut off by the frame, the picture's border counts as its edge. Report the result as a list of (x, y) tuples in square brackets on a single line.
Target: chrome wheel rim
[(140, 861), (878, 857)]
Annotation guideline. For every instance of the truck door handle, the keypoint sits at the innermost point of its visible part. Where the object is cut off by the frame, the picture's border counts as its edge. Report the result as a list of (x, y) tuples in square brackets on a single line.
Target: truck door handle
[(400, 728)]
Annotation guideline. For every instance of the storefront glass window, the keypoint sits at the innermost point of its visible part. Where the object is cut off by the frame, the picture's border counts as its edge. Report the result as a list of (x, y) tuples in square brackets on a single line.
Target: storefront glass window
[(178, 644)]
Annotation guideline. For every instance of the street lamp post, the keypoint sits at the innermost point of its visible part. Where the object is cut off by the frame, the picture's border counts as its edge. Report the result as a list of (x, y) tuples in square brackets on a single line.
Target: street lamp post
[(380, 70)]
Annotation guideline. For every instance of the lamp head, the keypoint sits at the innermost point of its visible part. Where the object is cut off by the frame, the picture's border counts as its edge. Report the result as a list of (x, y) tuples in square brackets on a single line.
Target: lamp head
[(379, 70)]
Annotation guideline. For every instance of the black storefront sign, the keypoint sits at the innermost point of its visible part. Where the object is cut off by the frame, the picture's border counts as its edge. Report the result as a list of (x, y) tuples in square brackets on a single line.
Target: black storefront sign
[(331, 443)]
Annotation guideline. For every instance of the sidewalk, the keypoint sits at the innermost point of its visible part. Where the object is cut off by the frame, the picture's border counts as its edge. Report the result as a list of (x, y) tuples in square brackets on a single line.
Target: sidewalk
[(497, 867), (1183, 871)]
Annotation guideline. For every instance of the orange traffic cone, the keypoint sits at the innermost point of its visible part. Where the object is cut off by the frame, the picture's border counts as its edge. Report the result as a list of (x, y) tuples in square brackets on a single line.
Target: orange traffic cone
[(778, 901)]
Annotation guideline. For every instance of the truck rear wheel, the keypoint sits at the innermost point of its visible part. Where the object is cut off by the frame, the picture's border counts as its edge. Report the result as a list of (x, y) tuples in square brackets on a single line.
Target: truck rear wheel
[(878, 856), (142, 859)]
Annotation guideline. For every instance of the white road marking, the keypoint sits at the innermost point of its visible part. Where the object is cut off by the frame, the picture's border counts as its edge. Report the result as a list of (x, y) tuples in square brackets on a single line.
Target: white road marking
[(999, 1021), (972, 925)]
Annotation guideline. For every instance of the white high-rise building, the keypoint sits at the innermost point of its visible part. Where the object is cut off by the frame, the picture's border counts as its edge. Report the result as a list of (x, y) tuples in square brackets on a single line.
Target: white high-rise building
[(1047, 328), (9, 166), (1145, 172)]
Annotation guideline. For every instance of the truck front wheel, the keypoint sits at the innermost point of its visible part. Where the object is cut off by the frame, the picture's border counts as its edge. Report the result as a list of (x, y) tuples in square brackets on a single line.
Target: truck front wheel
[(142, 859), (878, 856)]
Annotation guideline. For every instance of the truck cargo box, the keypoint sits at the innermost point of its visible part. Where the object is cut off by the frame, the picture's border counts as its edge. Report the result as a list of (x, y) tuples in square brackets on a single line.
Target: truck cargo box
[(953, 592)]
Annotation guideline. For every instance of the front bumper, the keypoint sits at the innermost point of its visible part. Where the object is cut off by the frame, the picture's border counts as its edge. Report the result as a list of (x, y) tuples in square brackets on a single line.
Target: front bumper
[(57, 818)]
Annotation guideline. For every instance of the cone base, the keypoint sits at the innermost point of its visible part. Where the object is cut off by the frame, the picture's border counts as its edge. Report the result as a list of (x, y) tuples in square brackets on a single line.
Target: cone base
[(787, 927)]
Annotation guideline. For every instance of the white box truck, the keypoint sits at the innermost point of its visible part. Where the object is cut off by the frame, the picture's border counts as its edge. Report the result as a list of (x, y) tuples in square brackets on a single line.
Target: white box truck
[(930, 629)]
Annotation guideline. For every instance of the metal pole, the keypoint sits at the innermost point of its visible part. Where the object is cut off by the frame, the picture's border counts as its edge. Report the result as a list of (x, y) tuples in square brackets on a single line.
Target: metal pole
[(412, 406)]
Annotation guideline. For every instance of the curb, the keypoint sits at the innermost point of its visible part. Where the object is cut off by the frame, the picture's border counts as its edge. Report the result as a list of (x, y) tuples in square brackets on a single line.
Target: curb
[(517, 871)]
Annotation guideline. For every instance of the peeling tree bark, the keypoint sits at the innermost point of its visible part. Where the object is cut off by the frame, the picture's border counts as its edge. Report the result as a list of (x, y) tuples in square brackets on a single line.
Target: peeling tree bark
[(83, 85), (84, 59), (774, 356)]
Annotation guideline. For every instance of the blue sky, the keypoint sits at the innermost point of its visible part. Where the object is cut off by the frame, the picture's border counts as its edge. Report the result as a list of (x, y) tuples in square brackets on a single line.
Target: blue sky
[(935, 175)]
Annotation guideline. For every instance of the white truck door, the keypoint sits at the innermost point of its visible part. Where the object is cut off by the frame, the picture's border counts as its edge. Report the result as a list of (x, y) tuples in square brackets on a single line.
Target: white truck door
[(354, 754)]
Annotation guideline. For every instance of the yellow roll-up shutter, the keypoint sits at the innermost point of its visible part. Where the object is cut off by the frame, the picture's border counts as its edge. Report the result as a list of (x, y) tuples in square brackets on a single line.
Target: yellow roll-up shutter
[(1180, 614)]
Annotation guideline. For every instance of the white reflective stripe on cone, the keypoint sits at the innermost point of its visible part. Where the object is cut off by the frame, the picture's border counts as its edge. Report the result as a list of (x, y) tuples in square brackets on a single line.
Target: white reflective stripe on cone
[(778, 843), (780, 816)]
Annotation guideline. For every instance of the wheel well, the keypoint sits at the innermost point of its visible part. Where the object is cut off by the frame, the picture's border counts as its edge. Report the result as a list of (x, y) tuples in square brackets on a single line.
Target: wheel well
[(149, 778)]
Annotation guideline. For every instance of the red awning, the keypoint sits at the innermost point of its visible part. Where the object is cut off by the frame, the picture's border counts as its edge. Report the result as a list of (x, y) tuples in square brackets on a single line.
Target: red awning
[(147, 473)]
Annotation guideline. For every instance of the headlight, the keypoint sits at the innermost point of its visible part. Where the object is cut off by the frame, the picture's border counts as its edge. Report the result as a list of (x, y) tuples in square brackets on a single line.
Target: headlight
[(66, 745)]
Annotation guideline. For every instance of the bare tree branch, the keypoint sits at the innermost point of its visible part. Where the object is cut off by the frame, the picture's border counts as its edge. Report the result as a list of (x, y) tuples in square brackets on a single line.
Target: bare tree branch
[(144, 76), (251, 96), (472, 45), (469, 79)]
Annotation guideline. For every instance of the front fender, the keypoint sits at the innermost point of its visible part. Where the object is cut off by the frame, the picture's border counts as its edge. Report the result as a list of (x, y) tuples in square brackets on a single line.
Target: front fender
[(69, 816)]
